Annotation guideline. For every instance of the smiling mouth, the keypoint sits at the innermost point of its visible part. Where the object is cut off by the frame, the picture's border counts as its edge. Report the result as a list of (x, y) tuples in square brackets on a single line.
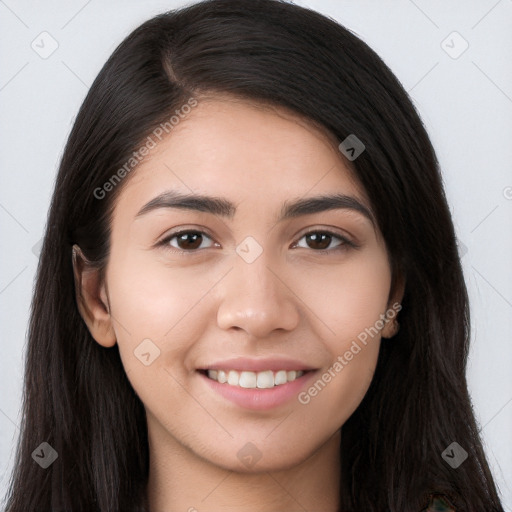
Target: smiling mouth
[(254, 380)]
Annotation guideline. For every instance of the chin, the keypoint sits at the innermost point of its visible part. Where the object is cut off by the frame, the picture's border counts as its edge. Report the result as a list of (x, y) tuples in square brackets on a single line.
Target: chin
[(249, 459)]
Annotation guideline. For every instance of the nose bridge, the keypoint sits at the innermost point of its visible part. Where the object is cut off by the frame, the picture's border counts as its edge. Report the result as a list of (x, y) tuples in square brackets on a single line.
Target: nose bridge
[(253, 295)]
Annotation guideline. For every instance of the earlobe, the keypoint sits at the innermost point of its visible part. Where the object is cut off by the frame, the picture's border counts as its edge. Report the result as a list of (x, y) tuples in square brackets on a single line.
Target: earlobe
[(390, 329), (92, 299)]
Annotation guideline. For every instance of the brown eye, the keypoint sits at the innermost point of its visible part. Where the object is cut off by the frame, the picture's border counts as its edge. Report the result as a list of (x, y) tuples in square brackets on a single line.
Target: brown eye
[(185, 241), (188, 241), (320, 241)]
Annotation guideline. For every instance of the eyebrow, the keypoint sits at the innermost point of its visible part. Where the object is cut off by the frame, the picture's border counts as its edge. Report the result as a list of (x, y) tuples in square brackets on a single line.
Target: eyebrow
[(225, 208)]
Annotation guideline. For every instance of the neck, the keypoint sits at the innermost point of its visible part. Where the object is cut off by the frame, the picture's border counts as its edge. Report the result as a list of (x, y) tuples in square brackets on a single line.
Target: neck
[(181, 481)]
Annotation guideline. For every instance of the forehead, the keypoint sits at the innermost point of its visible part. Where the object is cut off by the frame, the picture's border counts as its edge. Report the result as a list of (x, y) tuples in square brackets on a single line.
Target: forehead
[(251, 153)]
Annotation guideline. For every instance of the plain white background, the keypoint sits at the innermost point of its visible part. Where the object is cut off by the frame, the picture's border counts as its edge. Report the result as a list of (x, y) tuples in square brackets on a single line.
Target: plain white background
[(460, 83)]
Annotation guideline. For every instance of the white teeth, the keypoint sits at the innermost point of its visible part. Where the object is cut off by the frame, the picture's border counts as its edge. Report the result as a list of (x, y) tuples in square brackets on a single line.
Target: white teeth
[(233, 378), (265, 380), (250, 380), (280, 377), (291, 375), (247, 380)]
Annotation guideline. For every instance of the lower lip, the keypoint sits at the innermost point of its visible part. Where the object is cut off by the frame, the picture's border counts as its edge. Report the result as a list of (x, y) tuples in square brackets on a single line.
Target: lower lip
[(259, 399)]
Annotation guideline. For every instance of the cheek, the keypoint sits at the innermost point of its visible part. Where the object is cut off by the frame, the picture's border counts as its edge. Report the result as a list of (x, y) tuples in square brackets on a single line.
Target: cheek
[(340, 388), (150, 301), (348, 297), (348, 300), (156, 322)]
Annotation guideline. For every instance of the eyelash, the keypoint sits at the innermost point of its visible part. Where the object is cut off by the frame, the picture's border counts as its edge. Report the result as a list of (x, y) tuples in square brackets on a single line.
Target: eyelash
[(344, 246)]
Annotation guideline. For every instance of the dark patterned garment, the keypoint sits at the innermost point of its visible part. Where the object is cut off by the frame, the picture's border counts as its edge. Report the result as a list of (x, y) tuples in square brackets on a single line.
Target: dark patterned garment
[(439, 504)]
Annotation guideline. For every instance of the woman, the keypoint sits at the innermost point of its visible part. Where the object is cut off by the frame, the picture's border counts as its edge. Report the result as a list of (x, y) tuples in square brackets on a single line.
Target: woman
[(191, 347)]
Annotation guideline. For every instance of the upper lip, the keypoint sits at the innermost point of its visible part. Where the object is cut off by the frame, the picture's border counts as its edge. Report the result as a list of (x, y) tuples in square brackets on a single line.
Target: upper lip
[(258, 365)]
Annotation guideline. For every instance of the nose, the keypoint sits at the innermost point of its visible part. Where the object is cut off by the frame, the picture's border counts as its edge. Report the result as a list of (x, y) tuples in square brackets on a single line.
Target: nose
[(254, 297)]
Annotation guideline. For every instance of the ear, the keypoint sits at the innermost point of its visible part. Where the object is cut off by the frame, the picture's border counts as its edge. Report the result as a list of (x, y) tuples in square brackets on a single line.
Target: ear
[(392, 326), (92, 299)]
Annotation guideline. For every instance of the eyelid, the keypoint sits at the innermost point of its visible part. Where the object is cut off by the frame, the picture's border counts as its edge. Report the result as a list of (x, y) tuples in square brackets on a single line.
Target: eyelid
[(183, 229), (331, 230)]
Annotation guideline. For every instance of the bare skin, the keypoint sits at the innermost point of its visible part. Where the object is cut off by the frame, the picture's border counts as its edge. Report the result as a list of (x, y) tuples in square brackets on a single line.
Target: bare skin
[(210, 304)]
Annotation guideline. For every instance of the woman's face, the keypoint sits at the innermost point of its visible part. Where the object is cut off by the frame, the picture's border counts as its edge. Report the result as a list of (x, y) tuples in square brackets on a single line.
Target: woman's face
[(247, 289)]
